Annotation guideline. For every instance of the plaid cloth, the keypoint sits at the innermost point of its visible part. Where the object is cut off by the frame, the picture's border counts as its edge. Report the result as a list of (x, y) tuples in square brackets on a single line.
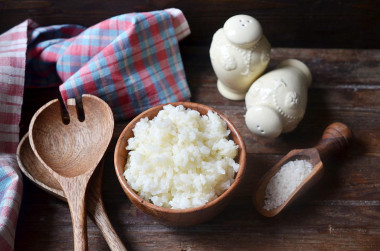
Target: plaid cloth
[(12, 73), (131, 61)]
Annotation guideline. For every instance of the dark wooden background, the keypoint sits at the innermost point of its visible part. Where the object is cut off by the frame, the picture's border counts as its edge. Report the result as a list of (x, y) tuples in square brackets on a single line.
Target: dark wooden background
[(286, 23), (341, 212)]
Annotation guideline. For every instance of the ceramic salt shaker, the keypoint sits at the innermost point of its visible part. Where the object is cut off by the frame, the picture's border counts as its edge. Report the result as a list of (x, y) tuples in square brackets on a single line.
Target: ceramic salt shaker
[(239, 54), (276, 102)]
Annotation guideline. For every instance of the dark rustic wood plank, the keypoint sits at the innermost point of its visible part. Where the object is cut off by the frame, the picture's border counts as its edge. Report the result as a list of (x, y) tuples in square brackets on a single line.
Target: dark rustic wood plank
[(327, 224), (340, 212), (345, 88), (317, 24), (330, 68)]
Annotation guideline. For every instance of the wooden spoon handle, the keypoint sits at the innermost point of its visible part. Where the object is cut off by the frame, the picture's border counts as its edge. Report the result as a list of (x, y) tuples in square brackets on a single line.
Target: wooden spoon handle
[(96, 208), (335, 138), (75, 190)]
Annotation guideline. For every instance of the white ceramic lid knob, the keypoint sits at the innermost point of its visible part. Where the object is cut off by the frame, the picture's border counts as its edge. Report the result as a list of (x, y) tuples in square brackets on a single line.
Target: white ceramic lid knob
[(243, 30), (263, 121)]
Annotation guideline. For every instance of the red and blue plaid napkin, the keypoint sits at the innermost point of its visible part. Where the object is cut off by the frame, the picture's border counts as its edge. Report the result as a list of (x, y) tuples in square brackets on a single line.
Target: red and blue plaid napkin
[(132, 61), (12, 71)]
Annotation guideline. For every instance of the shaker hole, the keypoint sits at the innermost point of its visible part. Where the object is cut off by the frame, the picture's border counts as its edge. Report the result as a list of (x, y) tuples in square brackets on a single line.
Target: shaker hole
[(259, 128)]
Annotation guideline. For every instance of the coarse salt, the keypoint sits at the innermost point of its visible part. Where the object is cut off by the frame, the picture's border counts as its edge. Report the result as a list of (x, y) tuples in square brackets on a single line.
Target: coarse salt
[(285, 181)]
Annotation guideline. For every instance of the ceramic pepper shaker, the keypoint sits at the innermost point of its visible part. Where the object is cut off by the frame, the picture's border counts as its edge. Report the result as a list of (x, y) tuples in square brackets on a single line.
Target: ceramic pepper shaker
[(276, 102), (239, 54)]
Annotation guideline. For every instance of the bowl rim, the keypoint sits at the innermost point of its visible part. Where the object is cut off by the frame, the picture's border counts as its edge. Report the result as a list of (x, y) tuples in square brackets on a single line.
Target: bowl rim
[(188, 105)]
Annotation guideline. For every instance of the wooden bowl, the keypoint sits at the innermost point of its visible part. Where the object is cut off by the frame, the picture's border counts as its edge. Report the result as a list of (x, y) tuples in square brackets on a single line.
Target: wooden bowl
[(178, 217)]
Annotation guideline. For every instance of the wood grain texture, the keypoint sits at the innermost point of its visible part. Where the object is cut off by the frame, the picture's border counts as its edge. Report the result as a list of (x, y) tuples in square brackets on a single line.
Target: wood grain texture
[(96, 209), (335, 139), (310, 23), (36, 172), (71, 152), (340, 212), (179, 217)]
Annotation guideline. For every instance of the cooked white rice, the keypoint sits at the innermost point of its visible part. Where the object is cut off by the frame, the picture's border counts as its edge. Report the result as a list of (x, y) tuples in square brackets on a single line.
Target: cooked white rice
[(284, 182), (181, 159)]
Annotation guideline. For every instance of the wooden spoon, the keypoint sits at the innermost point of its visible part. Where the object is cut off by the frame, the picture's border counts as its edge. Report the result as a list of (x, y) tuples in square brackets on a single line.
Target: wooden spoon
[(71, 152), (335, 138), (37, 173)]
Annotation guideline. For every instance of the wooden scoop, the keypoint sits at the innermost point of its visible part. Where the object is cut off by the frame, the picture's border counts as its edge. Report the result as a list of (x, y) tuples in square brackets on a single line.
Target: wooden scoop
[(335, 138), (37, 173), (71, 152)]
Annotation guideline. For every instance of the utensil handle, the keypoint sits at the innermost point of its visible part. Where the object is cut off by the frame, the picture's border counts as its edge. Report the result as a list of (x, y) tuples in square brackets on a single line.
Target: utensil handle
[(75, 189), (96, 209), (334, 139)]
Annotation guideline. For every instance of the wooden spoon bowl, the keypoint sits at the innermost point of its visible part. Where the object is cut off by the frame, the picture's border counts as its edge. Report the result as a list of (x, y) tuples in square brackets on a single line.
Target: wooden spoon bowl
[(334, 139), (39, 175), (178, 217), (76, 148), (71, 152)]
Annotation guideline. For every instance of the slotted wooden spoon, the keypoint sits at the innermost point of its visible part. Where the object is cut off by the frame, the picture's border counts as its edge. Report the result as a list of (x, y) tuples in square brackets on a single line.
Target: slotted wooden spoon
[(334, 139), (71, 152), (37, 173)]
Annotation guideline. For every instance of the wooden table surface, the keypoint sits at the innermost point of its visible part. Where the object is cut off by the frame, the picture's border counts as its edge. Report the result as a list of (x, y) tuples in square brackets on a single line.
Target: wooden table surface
[(341, 212)]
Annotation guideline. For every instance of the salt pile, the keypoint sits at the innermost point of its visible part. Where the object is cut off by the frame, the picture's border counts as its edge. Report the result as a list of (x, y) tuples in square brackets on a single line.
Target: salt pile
[(283, 184)]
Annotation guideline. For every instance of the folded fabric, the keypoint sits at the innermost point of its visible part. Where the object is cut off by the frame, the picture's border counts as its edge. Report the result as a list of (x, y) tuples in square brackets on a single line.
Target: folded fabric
[(12, 72), (131, 61)]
